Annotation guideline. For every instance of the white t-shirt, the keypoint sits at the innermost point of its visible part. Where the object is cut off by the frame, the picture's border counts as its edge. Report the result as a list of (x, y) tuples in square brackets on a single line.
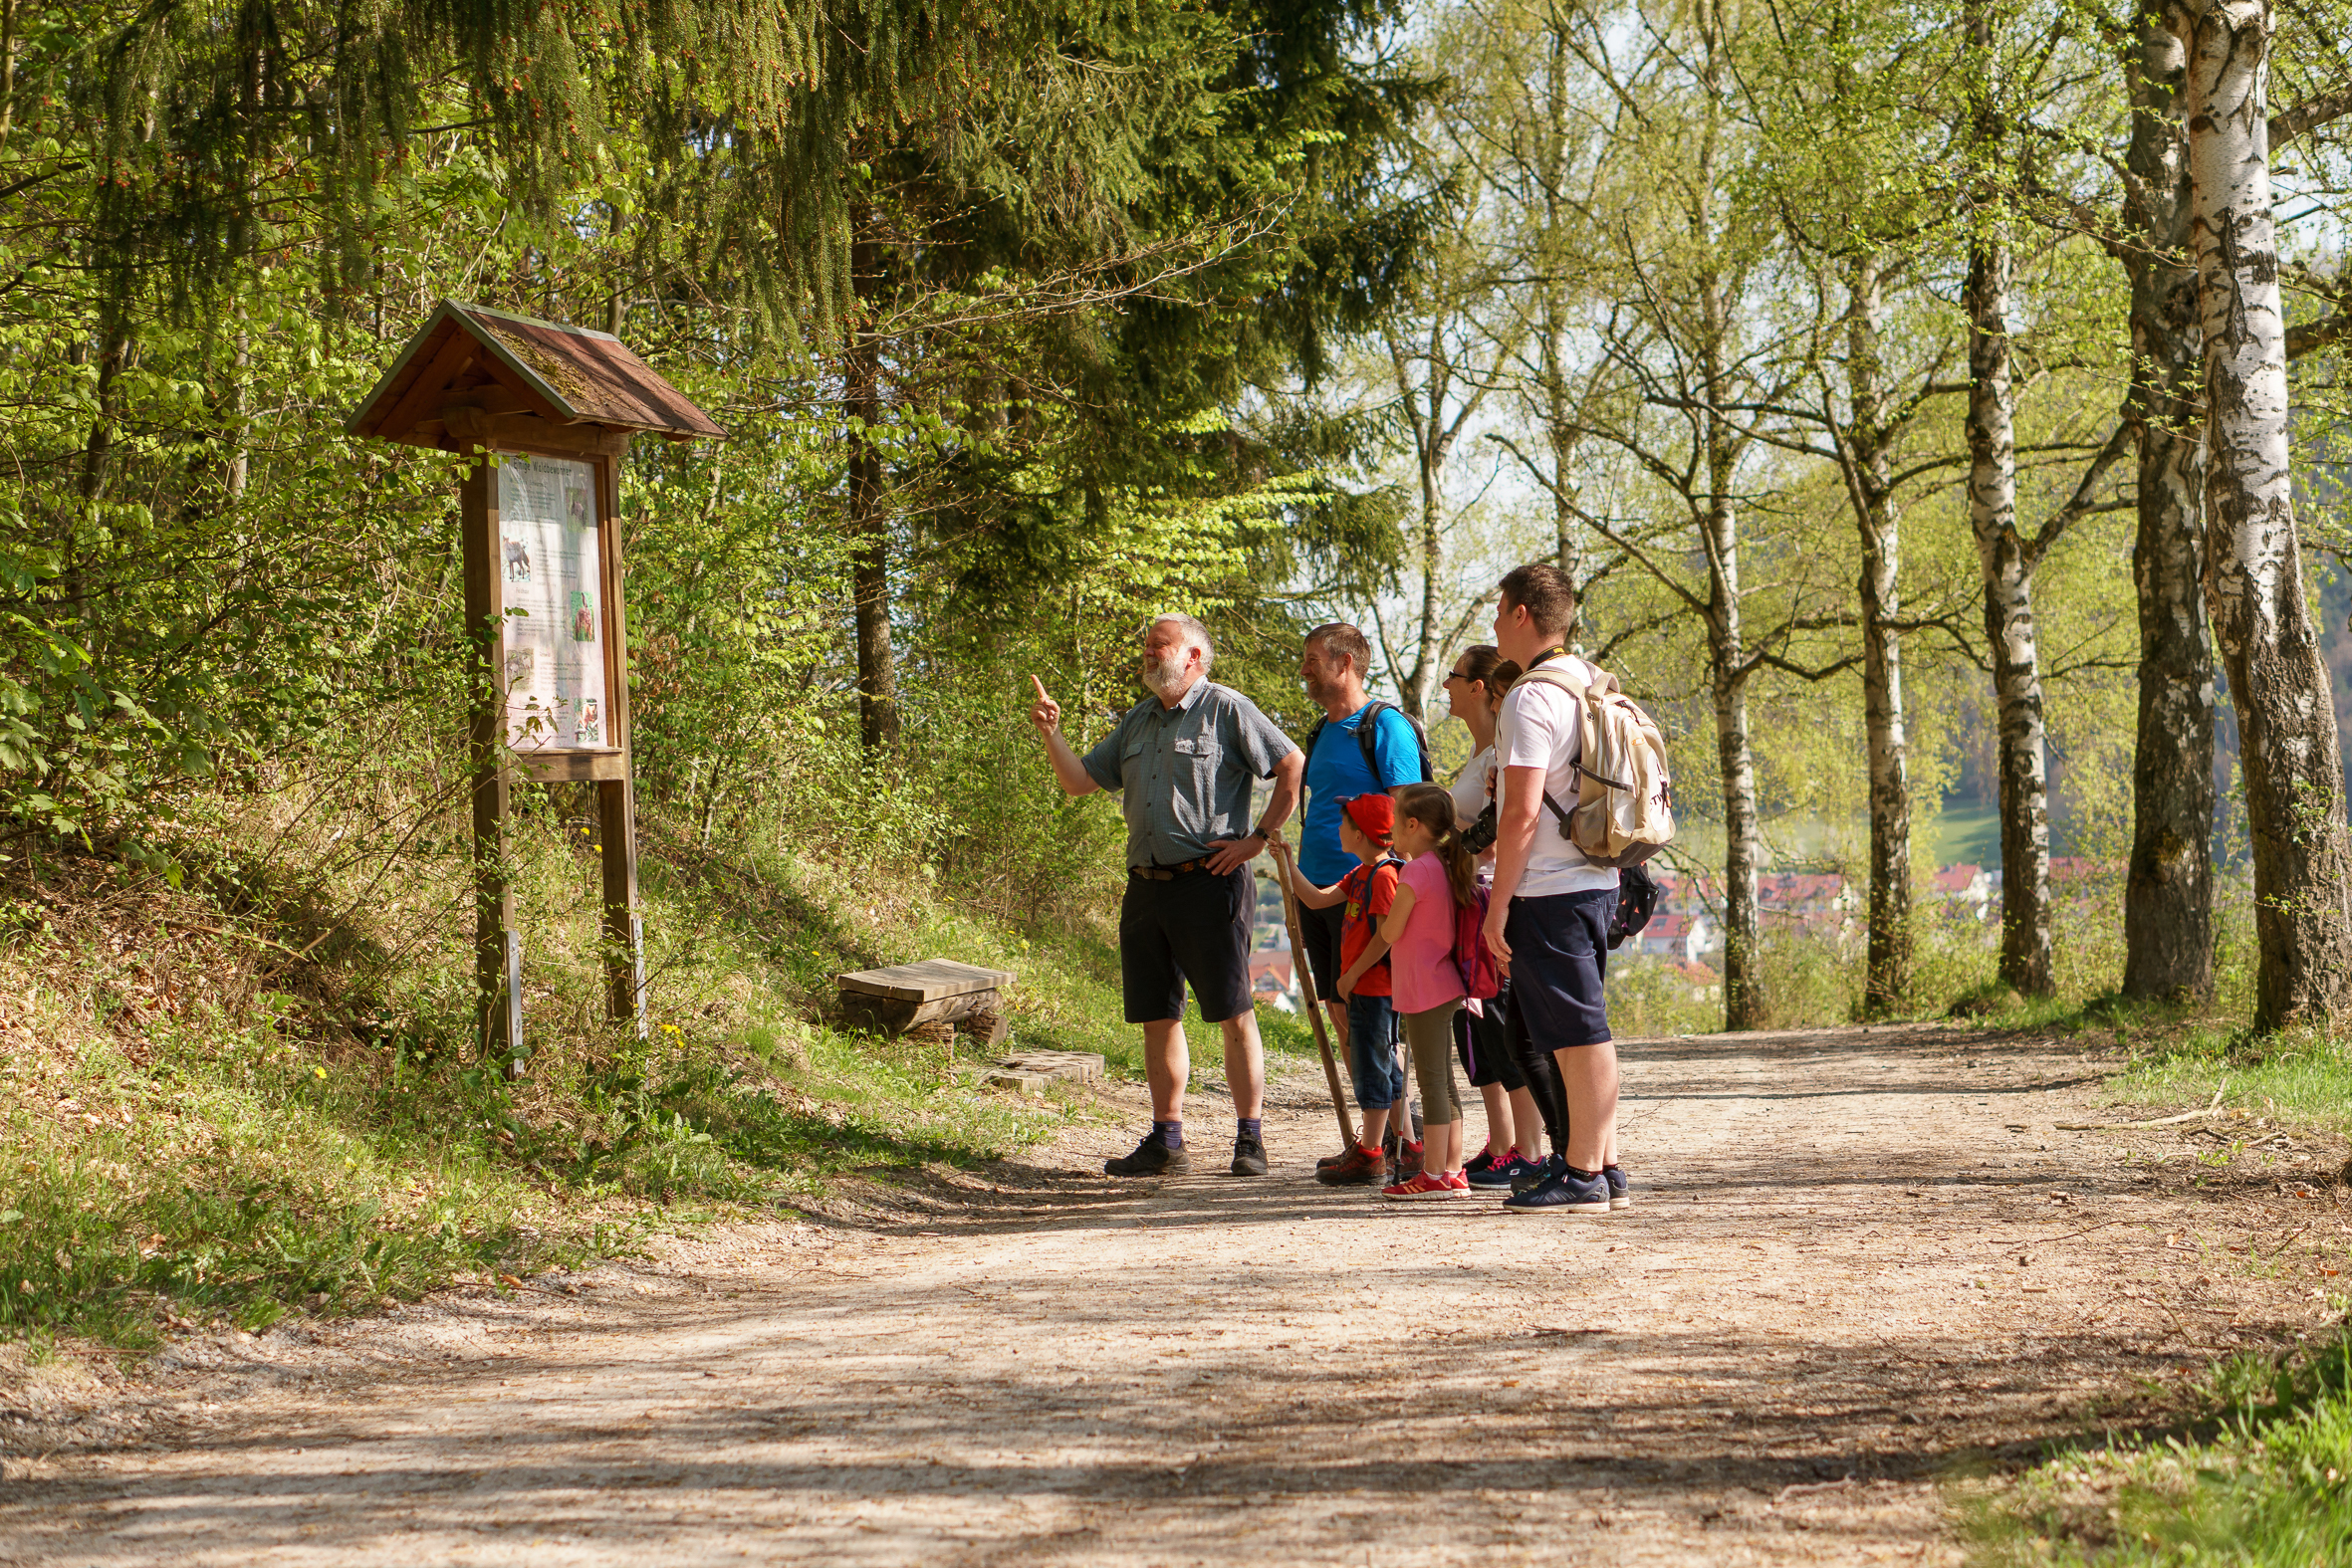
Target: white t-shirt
[(1470, 787), (1539, 728)]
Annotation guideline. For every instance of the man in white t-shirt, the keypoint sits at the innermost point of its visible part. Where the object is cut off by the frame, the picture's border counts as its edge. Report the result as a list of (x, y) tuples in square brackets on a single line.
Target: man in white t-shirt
[(1548, 918)]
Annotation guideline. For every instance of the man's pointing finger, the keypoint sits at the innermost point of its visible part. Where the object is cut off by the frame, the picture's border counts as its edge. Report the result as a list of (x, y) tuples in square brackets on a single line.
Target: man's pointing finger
[(1040, 686)]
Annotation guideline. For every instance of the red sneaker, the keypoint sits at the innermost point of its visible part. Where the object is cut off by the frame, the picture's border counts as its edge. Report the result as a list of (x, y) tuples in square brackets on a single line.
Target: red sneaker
[(1459, 1180), (1422, 1186)]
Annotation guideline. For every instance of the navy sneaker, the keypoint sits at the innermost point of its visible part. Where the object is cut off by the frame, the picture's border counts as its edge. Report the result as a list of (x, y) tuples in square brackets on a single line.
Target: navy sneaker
[(1620, 1193), (1534, 1176), (1570, 1193), (1486, 1160), (1506, 1172)]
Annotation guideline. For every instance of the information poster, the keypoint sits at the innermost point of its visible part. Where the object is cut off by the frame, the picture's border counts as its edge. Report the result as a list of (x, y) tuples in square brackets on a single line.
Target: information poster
[(554, 624)]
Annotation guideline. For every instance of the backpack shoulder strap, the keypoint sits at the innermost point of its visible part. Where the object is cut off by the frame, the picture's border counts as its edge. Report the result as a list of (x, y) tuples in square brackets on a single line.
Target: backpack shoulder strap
[(1564, 677), (1367, 737)]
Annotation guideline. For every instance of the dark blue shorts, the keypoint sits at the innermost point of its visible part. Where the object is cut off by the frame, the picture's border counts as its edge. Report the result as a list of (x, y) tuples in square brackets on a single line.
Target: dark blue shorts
[(1559, 954), (1196, 928), (1372, 1060)]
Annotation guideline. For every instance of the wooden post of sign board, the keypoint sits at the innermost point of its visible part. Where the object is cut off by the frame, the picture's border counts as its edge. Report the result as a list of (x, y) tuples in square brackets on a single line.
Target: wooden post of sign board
[(616, 799), (496, 958)]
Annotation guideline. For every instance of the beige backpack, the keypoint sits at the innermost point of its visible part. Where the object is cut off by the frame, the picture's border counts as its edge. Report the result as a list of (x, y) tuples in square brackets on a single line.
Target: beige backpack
[(1624, 810)]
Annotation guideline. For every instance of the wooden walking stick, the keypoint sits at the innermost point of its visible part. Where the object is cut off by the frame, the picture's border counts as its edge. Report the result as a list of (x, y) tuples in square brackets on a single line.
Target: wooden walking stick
[(1284, 868)]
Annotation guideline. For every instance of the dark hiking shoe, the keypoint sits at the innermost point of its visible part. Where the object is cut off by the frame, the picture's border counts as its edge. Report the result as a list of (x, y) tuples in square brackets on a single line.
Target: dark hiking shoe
[(1620, 1193), (1404, 1159), (1329, 1160), (1356, 1168), (1151, 1158), (1534, 1176), (1248, 1155)]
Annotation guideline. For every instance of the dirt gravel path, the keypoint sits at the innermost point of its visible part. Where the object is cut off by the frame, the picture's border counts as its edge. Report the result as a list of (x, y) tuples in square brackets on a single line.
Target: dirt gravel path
[(1857, 1260)]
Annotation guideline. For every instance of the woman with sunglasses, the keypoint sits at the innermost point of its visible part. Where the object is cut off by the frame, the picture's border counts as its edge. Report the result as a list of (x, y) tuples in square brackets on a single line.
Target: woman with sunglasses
[(1521, 1092)]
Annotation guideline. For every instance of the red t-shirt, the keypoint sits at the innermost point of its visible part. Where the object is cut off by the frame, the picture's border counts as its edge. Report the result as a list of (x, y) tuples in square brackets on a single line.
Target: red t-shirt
[(1369, 891)]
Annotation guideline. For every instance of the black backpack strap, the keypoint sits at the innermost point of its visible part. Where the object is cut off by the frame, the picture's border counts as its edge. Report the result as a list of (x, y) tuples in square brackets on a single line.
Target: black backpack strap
[(1421, 743), (1367, 736), (1384, 860), (1558, 810)]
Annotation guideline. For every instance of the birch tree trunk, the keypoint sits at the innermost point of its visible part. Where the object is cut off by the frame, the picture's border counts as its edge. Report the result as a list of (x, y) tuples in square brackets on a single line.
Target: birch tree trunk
[(2007, 562), (2168, 893), (1743, 995), (1441, 383), (1559, 410), (1727, 673), (1560, 421), (1887, 977), (2253, 581)]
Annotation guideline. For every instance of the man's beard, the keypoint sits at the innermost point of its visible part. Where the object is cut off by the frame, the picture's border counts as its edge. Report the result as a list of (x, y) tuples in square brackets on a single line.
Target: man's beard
[(1319, 689), (1165, 676)]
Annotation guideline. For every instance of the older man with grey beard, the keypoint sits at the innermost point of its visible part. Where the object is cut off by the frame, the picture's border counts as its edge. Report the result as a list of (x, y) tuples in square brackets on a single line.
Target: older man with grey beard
[(1184, 759)]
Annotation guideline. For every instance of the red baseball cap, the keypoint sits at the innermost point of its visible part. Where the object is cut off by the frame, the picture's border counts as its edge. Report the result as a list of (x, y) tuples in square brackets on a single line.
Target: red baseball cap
[(1374, 814)]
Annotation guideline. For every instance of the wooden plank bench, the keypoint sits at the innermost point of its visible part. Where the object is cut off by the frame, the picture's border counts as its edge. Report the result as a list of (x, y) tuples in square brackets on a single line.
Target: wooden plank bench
[(892, 1000)]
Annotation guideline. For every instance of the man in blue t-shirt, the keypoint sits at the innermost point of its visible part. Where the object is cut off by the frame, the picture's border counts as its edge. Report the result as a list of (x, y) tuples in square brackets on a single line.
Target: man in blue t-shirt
[(1332, 667)]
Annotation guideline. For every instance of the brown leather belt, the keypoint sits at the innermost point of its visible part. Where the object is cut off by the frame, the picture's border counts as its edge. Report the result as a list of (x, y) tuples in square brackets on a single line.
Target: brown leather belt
[(1169, 873)]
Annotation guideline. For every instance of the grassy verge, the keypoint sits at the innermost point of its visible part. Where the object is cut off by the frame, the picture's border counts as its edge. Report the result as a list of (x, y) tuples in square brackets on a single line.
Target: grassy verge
[(2261, 1478), (2304, 1078), (2258, 1471), (206, 1124)]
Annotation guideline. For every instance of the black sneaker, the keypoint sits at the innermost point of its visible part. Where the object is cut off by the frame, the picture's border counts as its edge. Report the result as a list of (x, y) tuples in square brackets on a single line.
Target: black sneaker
[(1248, 1155), (1621, 1194), (1151, 1158), (1529, 1180)]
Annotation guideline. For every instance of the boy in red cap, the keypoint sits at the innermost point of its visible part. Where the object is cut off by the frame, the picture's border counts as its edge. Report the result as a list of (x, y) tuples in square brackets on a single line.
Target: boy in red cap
[(1365, 824)]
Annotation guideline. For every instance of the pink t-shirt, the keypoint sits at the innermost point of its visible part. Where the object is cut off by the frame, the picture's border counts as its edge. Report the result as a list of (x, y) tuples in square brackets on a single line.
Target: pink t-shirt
[(1421, 965)]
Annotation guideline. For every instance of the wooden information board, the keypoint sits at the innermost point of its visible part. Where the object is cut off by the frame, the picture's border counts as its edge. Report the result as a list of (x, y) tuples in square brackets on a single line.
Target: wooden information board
[(546, 413)]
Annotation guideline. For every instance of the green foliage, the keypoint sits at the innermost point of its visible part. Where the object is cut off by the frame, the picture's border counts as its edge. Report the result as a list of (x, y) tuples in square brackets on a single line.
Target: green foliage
[(2303, 1077), (243, 1132), (2258, 1481)]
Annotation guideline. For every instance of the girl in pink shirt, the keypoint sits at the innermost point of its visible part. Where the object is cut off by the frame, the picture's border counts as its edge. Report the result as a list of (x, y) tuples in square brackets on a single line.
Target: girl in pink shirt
[(1424, 983)]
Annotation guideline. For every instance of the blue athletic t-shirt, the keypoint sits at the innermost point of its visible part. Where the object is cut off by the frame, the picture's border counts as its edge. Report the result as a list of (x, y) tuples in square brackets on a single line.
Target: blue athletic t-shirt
[(1336, 772)]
